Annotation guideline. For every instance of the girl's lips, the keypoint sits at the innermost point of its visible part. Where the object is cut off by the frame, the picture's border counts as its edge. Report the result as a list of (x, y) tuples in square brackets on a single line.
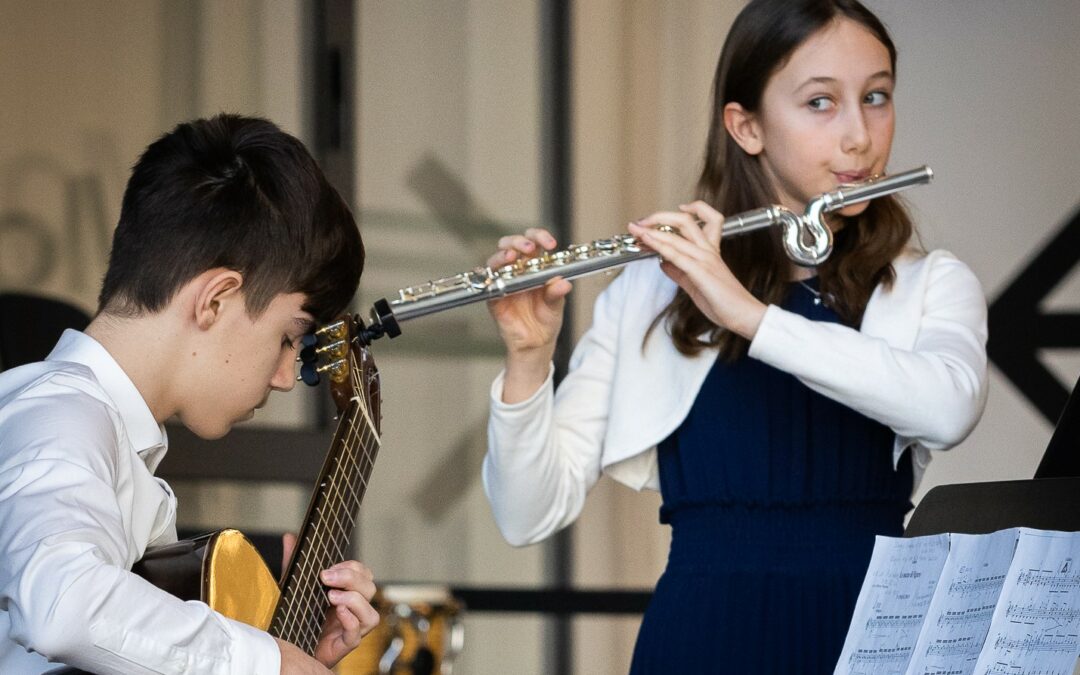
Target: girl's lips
[(852, 177)]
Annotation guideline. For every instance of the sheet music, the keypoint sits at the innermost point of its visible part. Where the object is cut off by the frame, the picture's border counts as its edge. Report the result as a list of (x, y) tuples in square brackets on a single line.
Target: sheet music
[(1035, 629), (889, 613), (959, 615)]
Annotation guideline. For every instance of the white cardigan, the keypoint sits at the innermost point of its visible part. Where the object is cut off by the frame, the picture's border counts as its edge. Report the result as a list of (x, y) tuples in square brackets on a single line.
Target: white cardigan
[(917, 364)]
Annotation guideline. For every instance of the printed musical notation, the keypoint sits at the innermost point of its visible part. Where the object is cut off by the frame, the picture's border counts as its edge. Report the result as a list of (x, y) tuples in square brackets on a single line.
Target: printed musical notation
[(1036, 626), (964, 602), (1003, 669), (892, 604), (960, 604), (1053, 582)]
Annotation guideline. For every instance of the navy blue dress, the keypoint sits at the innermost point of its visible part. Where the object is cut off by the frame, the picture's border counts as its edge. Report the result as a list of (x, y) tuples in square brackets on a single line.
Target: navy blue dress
[(774, 494)]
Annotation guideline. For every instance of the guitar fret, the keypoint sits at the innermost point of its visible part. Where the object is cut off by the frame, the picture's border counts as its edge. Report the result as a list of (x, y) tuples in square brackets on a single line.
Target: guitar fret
[(331, 522)]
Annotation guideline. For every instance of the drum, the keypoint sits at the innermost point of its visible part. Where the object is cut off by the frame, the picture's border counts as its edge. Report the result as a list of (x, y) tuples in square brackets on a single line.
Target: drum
[(421, 633)]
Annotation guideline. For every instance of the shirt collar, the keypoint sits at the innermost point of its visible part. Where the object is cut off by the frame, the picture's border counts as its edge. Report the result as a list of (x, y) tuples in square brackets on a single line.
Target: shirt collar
[(146, 436)]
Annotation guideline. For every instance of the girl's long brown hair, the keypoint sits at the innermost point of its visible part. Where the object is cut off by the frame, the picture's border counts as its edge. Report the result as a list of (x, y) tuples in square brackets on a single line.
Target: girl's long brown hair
[(761, 40)]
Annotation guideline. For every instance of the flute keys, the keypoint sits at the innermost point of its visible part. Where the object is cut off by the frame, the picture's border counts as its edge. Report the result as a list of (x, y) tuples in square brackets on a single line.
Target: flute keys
[(544, 261), (478, 279), (628, 243), (606, 246)]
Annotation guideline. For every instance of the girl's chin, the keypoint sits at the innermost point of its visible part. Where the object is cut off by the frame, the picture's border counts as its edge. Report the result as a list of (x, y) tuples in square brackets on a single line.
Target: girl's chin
[(853, 210)]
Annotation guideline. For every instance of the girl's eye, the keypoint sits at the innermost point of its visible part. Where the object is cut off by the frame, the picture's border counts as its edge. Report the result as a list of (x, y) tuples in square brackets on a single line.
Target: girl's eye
[(819, 103), (877, 98), (287, 343)]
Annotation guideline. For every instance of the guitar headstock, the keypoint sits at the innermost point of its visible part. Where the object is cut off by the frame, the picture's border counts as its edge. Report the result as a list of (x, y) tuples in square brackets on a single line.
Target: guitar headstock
[(339, 352)]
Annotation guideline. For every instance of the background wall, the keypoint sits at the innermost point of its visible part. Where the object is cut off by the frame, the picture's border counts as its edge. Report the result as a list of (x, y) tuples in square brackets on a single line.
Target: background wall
[(449, 127)]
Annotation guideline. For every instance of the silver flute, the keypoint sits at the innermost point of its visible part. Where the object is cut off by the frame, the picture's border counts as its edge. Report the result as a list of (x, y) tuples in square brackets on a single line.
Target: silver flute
[(806, 238)]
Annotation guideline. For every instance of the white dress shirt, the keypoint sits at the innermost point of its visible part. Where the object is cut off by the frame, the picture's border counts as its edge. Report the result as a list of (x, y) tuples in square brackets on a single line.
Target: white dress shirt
[(79, 504), (917, 364)]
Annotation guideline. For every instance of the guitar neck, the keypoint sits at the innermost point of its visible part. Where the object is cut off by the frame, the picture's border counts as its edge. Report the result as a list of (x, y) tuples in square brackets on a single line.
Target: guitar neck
[(326, 535)]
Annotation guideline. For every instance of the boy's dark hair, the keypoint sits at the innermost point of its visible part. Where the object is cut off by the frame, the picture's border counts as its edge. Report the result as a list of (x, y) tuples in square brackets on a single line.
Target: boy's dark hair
[(234, 192)]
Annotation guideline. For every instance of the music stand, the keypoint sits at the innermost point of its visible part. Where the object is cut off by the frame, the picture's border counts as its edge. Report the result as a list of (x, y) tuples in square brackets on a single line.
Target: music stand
[(1049, 501)]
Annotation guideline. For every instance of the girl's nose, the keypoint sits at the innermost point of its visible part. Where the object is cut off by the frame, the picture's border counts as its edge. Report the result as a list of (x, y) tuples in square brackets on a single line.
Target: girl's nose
[(856, 138)]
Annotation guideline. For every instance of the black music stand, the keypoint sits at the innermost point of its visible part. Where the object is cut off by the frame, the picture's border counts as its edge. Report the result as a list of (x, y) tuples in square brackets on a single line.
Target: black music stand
[(1062, 456), (1049, 501)]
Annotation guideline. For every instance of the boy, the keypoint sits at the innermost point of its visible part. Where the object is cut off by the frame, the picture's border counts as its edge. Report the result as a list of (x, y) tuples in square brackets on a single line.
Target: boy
[(231, 245)]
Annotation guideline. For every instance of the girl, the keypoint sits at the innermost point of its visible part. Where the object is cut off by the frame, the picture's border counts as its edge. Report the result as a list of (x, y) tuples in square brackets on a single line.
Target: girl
[(785, 414)]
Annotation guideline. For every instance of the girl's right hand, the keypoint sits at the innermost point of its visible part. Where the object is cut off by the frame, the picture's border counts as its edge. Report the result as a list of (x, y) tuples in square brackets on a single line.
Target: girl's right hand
[(529, 321)]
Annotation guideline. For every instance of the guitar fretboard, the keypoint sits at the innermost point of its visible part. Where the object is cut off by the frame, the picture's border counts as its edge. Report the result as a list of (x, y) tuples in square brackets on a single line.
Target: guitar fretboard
[(326, 536)]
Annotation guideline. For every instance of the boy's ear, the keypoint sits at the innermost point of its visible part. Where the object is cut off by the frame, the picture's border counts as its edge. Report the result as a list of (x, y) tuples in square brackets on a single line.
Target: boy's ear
[(216, 288), (744, 128)]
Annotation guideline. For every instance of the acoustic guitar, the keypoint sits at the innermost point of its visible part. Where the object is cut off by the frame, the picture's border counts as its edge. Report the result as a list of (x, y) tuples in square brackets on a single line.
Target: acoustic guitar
[(224, 569)]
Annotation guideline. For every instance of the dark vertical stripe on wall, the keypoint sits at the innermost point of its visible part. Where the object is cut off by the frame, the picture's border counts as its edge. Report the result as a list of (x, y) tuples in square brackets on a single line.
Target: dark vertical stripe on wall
[(180, 94), (333, 96), (557, 211)]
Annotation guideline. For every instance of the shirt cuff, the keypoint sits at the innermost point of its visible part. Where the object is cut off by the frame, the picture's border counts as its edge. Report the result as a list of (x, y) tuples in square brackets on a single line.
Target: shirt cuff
[(497, 405), (774, 337), (254, 651)]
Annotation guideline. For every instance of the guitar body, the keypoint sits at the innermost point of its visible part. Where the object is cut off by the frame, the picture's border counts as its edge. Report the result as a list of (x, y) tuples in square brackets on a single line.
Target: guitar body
[(223, 569)]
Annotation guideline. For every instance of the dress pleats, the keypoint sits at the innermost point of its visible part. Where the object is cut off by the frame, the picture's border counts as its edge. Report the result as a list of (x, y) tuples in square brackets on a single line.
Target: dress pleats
[(774, 494)]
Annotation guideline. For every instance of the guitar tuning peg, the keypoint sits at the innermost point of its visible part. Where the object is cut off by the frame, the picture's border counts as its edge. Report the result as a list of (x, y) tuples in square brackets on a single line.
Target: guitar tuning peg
[(335, 331), (309, 347), (309, 375), (336, 350)]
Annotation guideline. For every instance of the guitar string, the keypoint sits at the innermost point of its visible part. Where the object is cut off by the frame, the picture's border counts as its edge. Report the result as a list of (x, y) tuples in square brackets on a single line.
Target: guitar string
[(297, 601), (345, 476), (300, 592), (331, 514), (298, 588), (340, 477), (307, 592)]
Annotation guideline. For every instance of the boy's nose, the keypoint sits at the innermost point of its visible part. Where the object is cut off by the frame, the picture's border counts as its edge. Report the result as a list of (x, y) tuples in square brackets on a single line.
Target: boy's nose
[(285, 376)]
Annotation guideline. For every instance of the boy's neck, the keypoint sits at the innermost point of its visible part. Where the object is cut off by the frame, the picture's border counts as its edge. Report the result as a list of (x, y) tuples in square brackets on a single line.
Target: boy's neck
[(146, 347)]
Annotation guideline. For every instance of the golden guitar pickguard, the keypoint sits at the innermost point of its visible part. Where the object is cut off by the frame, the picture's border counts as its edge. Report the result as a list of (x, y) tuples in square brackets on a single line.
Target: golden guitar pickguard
[(236, 581)]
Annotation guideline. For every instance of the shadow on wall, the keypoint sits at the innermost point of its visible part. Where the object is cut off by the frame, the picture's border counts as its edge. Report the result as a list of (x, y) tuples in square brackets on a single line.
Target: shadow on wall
[(1019, 326)]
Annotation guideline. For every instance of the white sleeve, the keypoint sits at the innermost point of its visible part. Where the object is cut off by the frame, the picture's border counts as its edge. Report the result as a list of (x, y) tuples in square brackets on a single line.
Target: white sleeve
[(544, 453), (64, 580), (933, 393)]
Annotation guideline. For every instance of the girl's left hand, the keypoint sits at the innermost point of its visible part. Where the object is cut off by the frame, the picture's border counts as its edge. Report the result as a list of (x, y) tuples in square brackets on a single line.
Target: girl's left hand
[(351, 615), (692, 259)]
